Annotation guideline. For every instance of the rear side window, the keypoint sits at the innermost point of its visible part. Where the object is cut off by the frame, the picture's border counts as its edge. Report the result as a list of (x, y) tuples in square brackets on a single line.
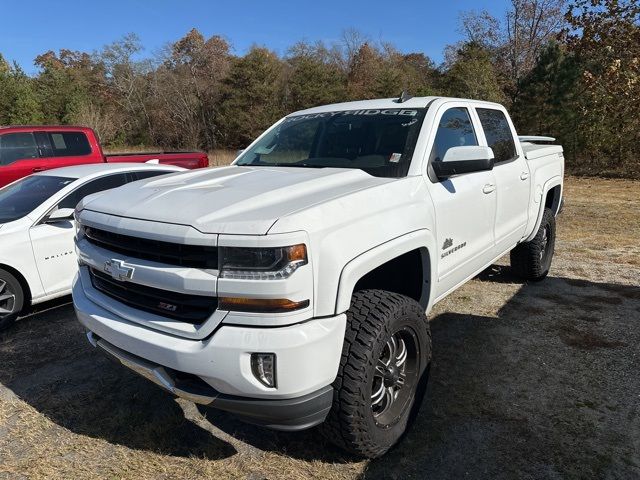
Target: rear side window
[(69, 144), (454, 130), (94, 186), (146, 174), (499, 137), (17, 146)]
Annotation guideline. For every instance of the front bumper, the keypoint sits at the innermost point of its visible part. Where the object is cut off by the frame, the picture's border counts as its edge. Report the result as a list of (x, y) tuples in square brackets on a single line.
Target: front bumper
[(285, 414), (307, 354)]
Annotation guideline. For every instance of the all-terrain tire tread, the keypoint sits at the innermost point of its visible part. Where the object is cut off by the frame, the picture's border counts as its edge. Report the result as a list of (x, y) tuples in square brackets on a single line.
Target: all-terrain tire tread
[(525, 258), (345, 426)]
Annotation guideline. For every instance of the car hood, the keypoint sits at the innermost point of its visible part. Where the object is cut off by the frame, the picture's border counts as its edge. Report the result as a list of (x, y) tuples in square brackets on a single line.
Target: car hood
[(238, 200)]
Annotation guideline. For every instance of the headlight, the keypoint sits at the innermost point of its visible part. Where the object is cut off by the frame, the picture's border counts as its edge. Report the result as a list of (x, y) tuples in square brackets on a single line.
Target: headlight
[(261, 263)]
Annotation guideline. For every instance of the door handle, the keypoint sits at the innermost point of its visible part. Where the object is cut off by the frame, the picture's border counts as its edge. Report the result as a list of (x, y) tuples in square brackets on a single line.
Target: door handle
[(524, 175), (488, 188), (38, 169)]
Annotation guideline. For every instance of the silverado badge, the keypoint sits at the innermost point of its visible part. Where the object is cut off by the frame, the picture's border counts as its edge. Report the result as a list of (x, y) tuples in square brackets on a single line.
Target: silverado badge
[(447, 243)]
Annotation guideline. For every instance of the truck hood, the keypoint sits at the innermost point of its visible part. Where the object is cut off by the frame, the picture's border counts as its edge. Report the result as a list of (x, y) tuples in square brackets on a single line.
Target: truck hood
[(237, 200)]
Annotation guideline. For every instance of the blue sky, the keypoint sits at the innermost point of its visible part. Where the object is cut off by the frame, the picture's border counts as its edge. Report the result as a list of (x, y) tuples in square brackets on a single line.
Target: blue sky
[(31, 27)]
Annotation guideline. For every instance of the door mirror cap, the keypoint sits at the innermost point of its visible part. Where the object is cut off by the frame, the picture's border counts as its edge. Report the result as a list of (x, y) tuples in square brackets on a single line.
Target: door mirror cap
[(468, 159), (60, 215)]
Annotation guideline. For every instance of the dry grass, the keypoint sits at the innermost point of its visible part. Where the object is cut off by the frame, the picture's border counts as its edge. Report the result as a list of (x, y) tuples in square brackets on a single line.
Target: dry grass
[(218, 158), (528, 381)]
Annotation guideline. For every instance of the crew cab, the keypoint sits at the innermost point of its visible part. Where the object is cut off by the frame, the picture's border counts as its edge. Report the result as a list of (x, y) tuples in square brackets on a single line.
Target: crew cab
[(37, 261), (290, 288), (29, 149)]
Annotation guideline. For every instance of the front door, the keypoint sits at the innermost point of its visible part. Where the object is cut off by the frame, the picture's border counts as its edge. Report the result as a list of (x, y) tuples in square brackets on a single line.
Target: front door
[(465, 205), (53, 242), (55, 255)]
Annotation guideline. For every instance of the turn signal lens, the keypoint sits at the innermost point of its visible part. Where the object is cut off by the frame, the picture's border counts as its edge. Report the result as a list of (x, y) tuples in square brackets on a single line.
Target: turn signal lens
[(262, 305)]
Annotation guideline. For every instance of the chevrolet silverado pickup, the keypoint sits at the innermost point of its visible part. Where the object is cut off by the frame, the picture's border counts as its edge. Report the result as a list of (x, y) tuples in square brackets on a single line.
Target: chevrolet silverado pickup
[(290, 288), (29, 149)]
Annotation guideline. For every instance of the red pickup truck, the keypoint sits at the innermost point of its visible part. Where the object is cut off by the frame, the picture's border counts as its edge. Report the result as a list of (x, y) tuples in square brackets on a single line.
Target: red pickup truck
[(28, 149)]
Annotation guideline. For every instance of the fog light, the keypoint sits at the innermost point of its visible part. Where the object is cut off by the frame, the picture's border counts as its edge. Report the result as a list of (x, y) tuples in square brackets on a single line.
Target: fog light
[(263, 367)]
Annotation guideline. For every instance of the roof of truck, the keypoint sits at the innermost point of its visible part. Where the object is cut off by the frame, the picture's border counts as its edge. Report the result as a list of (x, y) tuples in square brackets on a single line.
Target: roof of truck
[(385, 103)]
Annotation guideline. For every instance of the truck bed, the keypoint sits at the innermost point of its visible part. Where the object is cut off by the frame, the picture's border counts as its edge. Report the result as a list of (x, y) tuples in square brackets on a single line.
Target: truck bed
[(188, 160)]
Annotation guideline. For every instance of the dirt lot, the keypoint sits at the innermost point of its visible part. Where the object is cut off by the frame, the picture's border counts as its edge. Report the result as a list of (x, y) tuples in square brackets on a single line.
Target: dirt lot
[(528, 381)]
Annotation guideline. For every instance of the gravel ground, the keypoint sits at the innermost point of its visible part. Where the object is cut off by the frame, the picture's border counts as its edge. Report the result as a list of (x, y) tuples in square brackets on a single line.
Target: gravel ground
[(528, 381)]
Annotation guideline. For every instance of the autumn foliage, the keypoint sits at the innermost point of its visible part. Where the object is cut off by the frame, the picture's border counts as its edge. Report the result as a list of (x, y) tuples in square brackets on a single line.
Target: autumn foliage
[(567, 70)]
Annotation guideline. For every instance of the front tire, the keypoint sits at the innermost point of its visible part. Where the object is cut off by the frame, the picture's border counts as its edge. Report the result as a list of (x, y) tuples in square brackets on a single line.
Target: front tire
[(532, 260), (11, 299), (380, 380)]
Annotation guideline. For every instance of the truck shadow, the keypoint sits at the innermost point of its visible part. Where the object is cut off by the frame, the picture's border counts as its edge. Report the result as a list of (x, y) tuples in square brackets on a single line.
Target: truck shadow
[(548, 387), (47, 362)]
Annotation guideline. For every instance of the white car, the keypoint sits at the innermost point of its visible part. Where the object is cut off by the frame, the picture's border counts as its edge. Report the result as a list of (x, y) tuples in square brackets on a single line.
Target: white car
[(37, 258), (290, 288)]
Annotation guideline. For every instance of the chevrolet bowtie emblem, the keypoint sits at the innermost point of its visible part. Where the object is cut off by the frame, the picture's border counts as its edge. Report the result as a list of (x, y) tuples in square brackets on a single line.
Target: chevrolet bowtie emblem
[(118, 270)]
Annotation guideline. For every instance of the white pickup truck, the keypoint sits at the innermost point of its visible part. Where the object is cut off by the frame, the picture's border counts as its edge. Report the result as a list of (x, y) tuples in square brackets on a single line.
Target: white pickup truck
[(290, 288)]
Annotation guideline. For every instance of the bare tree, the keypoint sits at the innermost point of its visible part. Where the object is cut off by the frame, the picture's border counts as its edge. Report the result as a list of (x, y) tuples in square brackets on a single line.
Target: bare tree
[(517, 39)]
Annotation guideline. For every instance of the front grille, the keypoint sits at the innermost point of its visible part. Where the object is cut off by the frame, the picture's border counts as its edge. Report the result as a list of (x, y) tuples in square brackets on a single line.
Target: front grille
[(193, 309), (194, 256)]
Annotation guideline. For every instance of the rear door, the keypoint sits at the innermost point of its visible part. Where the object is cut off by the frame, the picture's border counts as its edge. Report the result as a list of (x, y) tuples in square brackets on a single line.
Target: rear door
[(19, 156), (512, 178), (65, 148), (464, 204)]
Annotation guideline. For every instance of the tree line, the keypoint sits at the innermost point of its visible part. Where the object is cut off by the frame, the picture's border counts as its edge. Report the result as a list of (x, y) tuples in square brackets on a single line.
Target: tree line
[(568, 70)]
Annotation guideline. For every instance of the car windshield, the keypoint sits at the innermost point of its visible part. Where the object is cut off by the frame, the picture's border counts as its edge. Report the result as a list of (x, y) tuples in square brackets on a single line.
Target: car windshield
[(378, 141), (22, 197)]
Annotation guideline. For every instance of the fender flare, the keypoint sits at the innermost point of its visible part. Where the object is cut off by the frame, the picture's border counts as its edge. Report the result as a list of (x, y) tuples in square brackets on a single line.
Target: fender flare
[(367, 261), (549, 184)]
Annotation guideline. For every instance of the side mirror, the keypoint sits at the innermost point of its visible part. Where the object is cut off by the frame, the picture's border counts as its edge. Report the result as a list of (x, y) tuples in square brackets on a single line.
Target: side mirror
[(60, 215), (458, 160)]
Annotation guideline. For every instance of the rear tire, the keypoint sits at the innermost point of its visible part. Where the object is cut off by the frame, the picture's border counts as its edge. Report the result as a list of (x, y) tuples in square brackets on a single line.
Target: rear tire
[(11, 299), (532, 260), (382, 373)]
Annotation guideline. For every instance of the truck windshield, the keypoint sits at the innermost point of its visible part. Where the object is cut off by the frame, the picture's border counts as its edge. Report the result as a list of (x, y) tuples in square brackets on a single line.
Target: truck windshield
[(378, 141), (22, 197)]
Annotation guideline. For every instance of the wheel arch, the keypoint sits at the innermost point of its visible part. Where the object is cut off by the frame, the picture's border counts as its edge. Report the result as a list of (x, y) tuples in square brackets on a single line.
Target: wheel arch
[(372, 269), (550, 195), (21, 279)]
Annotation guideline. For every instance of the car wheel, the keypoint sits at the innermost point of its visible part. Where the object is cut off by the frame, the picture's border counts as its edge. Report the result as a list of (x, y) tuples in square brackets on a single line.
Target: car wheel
[(380, 381), (11, 299), (532, 260)]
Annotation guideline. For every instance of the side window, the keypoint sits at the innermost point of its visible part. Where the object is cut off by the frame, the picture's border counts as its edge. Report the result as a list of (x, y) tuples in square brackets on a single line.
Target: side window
[(499, 137), (69, 144), (147, 174), (94, 186), (454, 130), (17, 146)]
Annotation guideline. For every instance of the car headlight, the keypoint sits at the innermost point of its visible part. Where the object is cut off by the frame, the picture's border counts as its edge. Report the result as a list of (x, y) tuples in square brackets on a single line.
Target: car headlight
[(261, 263)]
